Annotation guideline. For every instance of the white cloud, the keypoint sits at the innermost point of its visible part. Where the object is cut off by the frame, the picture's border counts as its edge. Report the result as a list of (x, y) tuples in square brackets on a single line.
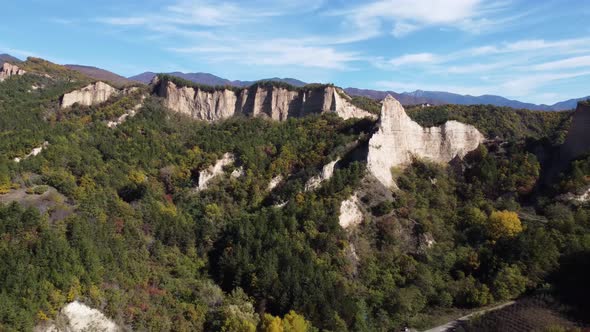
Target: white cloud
[(401, 29), (524, 86), (413, 59), (275, 52), (576, 62), (407, 16), (209, 13)]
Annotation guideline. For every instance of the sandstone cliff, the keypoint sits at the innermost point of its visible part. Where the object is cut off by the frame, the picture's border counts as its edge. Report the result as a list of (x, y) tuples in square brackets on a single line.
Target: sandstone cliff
[(9, 70), (399, 138), (91, 94), (260, 100), (578, 135)]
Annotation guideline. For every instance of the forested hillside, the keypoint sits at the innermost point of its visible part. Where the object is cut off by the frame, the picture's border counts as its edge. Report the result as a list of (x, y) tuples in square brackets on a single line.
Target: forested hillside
[(126, 231)]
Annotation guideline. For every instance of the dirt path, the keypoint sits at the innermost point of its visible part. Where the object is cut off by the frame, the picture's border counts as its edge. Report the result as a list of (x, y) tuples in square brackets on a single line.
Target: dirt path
[(450, 325)]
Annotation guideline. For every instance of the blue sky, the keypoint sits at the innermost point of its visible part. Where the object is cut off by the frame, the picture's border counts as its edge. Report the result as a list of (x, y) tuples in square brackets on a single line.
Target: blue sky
[(534, 51)]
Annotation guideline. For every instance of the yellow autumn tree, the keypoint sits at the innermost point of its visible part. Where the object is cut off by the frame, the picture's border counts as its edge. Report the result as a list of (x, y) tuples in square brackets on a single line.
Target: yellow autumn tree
[(294, 322), (291, 322), (271, 323), (504, 224)]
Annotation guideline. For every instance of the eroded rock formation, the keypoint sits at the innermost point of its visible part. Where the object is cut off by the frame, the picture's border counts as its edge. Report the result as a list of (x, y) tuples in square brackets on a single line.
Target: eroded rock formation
[(274, 182), (399, 139), (91, 94), (9, 70), (576, 141), (350, 212), (326, 173), (269, 101), (213, 171), (33, 152), (76, 316)]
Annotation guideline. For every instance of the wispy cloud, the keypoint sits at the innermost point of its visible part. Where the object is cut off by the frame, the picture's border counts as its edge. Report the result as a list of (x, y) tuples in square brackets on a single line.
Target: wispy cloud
[(413, 59), (275, 52), (407, 16), (213, 13), (570, 63)]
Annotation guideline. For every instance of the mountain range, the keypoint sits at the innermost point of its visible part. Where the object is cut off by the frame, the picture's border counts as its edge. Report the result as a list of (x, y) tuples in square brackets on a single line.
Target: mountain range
[(406, 98), (212, 80)]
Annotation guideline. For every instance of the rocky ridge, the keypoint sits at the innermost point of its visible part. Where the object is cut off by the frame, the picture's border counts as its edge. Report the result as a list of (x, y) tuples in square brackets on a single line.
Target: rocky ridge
[(399, 139), (269, 101), (9, 70)]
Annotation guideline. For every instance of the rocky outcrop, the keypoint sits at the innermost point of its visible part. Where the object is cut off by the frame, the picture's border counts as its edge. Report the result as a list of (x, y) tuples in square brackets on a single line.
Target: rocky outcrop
[(77, 317), (399, 139), (128, 114), (9, 70), (326, 173), (350, 212), (274, 182), (260, 100), (33, 152), (91, 94), (578, 135), (213, 171)]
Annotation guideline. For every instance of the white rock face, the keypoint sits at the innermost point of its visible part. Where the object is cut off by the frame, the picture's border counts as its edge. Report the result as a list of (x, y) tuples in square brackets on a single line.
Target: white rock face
[(350, 212), (207, 175), (77, 317), (346, 110), (274, 182), (276, 103), (33, 152), (9, 70), (327, 172), (399, 138), (91, 94)]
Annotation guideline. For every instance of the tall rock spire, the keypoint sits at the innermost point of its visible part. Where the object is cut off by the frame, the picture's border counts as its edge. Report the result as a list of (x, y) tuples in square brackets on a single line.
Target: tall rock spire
[(399, 139)]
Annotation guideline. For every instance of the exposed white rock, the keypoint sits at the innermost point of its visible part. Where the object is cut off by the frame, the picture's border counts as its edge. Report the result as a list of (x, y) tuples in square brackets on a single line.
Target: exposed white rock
[(584, 197), (128, 114), (236, 173), (207, 175), (399, 139), (78, 317), (280, 205), (272, 102), (9, 70), (274, 182), (327, 172), (91, 94), (33, 152), (350, 212), (346, 110)]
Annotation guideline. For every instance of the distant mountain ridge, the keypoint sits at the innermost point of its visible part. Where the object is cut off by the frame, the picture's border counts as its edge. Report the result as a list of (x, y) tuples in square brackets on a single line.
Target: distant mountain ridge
[(441, 97), (406, 98), (8, 58), (100, 74), (212, 80)]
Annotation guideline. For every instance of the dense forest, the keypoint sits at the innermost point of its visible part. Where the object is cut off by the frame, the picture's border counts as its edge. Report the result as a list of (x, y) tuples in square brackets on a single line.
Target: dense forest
[(122, 228)]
